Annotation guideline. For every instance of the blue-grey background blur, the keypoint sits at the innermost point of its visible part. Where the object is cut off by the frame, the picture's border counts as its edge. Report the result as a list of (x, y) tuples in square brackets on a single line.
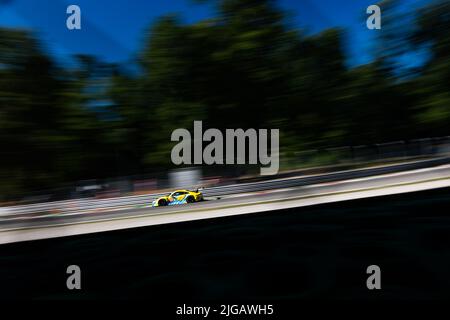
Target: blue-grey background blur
[(100, 103)]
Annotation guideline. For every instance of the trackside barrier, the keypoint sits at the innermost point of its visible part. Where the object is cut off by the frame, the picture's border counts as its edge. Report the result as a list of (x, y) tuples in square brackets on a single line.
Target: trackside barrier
[(68, 206)]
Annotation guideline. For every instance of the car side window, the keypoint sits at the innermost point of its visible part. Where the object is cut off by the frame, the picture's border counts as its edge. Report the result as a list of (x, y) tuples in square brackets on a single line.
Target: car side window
[(179, 193)]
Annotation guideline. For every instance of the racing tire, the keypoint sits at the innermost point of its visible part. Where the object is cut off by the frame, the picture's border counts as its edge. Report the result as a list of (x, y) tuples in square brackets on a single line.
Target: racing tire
[(162, 203), (190, 199)]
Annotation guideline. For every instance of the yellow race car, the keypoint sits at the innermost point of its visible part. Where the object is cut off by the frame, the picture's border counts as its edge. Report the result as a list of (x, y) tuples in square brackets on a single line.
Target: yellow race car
[(178, 197)]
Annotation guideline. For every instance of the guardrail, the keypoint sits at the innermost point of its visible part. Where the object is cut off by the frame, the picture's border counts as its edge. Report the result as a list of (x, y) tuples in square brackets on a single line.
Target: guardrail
[(78, 205)]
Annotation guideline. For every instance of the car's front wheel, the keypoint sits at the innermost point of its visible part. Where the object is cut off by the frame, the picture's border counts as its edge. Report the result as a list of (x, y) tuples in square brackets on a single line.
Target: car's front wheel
[(162, 203)]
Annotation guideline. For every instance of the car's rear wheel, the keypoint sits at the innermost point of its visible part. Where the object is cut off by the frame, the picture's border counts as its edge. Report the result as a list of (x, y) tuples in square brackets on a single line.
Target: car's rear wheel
[(190, 199), (162, 202)]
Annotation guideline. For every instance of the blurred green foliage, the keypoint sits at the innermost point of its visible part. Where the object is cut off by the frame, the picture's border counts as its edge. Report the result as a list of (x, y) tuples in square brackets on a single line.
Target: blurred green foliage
[(244, 68)]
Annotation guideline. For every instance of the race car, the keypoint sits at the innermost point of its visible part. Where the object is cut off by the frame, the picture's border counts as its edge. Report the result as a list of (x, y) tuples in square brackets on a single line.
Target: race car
[(178, 197)]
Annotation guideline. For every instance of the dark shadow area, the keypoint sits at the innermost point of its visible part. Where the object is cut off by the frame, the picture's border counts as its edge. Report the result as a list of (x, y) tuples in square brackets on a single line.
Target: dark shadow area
[(319, 252)]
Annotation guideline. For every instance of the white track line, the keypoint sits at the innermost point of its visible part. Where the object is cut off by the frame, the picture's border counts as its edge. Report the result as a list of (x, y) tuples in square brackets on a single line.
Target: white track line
[(52, 231)]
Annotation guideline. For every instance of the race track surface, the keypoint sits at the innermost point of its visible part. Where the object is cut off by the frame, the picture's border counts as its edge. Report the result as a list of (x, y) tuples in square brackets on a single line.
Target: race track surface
[(28, 227)]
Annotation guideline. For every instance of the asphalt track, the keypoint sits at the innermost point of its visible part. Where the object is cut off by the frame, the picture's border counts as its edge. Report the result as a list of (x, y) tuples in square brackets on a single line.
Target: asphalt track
[(32, 227)]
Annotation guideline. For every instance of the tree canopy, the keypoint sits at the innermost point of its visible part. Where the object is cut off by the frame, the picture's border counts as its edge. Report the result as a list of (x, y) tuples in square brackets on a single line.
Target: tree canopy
[(245, 67)]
